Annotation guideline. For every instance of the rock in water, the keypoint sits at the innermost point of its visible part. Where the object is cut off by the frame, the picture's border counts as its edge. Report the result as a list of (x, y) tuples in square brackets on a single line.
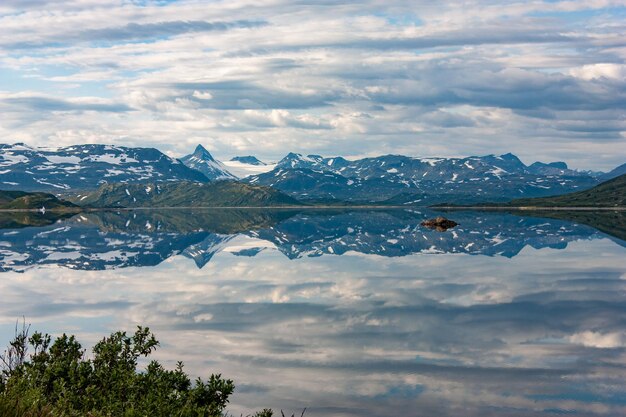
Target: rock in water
[(439, 223)]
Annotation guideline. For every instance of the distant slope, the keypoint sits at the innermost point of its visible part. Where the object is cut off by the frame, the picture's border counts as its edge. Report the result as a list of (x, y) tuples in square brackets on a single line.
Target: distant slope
[(21, 200), (608, 194), (185, 194), (620, 170)]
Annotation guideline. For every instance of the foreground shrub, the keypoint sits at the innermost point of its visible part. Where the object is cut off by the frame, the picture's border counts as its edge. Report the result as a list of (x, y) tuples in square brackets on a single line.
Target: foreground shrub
[(57, 379)]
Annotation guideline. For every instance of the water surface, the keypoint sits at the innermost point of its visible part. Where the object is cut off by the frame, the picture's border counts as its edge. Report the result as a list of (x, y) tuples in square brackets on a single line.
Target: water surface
[(344, 312)]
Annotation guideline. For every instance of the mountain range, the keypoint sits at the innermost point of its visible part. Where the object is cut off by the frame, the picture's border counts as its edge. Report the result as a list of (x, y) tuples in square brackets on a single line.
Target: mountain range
[(386, 180), (402, 180)]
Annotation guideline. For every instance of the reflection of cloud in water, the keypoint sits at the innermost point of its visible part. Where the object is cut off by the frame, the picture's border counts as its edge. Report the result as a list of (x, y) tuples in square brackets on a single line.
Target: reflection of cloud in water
[(364, 334)]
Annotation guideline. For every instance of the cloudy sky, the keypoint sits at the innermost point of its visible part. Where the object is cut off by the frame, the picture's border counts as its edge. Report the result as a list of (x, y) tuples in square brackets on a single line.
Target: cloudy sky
[(543, 79)]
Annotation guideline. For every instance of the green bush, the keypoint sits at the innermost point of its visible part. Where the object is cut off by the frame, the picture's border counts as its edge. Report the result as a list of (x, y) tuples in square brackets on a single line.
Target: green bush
[(58, 380)]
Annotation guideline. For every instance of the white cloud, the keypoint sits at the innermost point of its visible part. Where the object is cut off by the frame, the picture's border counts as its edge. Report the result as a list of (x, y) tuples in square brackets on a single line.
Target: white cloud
[(599, 340), (595, 71), (202, 95)]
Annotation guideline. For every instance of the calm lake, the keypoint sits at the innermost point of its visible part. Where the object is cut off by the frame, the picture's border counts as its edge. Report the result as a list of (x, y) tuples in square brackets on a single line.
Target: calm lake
[(347, 313)]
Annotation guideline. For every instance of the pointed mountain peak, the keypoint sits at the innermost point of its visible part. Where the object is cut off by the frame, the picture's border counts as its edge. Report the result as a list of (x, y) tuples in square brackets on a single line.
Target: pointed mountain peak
[(201, 152), (202, 160)]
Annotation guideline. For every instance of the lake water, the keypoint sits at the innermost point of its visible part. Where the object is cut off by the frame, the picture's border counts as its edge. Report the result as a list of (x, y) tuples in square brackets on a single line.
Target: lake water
[(347, 313)]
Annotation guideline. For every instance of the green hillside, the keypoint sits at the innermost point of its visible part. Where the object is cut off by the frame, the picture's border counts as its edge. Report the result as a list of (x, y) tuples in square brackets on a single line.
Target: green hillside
[(20, 200), (608, 194), (8, 196), (184, 194)]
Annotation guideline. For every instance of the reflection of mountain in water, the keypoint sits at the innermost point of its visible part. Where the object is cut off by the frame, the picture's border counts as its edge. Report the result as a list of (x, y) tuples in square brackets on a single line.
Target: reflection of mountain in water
[(105, 240), (203, 252), (398, 233)]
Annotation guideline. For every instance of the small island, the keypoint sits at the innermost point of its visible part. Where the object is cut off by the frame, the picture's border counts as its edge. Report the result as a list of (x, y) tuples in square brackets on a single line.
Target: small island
[(440, 223)]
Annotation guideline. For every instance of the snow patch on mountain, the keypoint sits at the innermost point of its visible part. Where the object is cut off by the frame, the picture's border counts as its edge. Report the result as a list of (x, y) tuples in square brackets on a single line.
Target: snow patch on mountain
[(242, 170)]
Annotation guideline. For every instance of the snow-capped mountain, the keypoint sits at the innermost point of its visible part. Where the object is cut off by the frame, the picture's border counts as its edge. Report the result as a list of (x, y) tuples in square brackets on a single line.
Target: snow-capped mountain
[(236, 168), (249, 160), (202, 160), (245, 166), (421, 180), (84, 167)]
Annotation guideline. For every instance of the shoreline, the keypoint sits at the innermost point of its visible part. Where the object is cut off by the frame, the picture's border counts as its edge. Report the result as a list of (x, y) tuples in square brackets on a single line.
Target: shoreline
[(531, 208), (320, 207)]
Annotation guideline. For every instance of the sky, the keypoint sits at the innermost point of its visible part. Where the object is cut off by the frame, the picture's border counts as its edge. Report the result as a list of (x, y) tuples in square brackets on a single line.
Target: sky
[(545, 80)]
